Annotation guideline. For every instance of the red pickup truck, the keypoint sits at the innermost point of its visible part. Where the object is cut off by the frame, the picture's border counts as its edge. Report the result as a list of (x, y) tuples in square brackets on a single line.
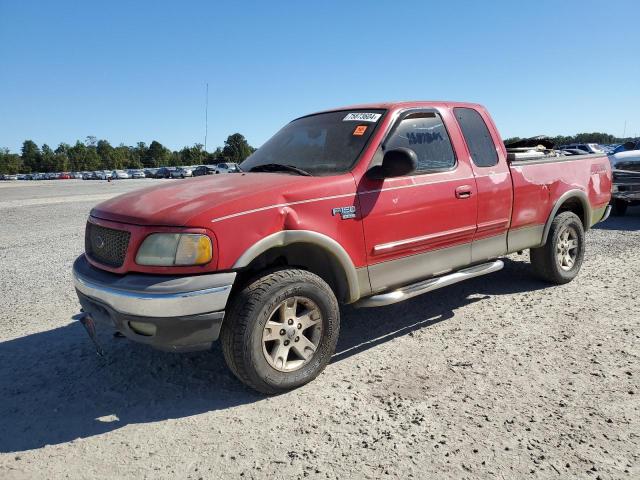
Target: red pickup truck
[(367, 205)]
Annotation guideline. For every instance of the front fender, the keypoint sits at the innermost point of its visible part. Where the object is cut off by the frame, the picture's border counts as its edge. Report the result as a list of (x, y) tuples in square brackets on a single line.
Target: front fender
[(288, 237)]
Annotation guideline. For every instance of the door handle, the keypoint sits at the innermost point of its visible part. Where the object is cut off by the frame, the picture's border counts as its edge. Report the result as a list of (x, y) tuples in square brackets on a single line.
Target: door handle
[(463, 191)]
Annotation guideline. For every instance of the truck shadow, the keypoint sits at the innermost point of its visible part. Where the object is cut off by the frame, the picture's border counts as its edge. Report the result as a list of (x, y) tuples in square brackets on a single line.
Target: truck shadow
[(629, 222), (55, 389)]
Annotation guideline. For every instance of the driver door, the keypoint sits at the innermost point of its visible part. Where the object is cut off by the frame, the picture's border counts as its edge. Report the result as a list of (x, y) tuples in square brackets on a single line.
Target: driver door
[(420, 225)]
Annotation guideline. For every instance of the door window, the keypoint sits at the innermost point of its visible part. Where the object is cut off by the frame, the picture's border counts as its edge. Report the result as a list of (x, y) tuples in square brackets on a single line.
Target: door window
[(425, 134)]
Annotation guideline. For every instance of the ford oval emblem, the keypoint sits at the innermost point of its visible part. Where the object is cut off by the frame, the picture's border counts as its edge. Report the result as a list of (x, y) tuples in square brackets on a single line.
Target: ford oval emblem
[(99, 242)]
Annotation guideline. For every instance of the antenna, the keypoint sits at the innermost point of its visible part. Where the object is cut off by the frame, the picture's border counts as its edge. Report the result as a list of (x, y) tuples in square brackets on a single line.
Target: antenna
[(206, 118), (624, 132)]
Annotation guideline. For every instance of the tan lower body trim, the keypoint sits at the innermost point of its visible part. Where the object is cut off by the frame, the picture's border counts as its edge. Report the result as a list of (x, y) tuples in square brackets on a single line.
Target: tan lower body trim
[(395, 273), (597, 214), (490, 247), (525, 237)]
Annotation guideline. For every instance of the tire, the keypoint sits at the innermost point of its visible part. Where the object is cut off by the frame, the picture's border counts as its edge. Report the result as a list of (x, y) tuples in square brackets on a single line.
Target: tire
[(550, 262), (253, 358), (619, 207)]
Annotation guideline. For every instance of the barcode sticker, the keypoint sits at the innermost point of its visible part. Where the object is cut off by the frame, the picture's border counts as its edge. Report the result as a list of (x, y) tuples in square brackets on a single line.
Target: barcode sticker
[(362, 117)]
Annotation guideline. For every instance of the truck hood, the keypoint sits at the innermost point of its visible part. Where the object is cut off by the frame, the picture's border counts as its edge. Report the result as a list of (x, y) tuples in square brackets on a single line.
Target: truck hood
[(195, 202)]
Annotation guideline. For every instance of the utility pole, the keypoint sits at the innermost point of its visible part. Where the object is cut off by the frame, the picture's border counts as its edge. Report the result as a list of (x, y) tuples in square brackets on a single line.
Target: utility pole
[(206, 118), (624, 132)]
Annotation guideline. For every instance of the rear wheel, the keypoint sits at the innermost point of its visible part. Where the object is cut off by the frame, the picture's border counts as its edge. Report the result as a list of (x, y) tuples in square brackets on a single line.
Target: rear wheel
[(560, 259), (618, 207), (281, 330)]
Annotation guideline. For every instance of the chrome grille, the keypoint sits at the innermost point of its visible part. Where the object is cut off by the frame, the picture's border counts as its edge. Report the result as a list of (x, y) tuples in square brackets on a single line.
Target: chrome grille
[(106, 245)]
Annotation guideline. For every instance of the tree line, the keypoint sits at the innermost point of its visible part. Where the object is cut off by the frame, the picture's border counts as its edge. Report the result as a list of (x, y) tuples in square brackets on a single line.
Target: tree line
[(594, 137), (94, 154)]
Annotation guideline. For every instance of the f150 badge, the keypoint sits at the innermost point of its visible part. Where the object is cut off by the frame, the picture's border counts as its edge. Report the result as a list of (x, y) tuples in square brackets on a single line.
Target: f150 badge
[(345, 212)]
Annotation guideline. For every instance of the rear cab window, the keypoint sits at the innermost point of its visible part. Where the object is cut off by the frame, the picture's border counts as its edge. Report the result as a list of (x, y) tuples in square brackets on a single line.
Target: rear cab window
[(477, 136)]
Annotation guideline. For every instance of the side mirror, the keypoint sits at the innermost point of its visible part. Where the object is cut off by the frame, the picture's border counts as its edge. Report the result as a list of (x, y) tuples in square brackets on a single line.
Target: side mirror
[(395, 163)]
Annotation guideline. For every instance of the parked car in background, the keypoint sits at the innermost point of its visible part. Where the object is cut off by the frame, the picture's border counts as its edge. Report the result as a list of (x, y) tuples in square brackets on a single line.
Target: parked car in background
[(572, 151), (204, 170), (165, 172), (227, 168), (64, 176), (585, 147), (181, 172), (119, 175), (150, 172), (627, 147), (136, 173), (10, 177), (626, 180)]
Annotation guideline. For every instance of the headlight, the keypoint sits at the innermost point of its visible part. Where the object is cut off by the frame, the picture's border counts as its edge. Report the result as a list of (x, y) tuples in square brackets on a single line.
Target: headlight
[(168, 249)]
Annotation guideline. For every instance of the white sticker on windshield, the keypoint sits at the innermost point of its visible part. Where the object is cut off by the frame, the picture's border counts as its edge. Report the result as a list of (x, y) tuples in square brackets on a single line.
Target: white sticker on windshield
[(362, 117)]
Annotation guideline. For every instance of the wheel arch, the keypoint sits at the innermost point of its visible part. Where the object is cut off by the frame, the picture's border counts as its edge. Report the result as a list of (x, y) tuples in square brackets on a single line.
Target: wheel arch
[(575, 201), (329, 259)]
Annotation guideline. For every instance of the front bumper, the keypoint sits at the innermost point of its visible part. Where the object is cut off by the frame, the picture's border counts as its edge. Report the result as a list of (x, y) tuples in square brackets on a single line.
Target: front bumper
[(174, 313)]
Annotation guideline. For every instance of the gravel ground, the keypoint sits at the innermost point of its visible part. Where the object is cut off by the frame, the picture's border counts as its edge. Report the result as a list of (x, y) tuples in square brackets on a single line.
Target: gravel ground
[(498, 377)]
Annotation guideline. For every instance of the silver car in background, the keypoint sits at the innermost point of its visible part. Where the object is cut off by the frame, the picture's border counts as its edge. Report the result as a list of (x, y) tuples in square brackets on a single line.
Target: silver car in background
[(181, 172), (119, 175)]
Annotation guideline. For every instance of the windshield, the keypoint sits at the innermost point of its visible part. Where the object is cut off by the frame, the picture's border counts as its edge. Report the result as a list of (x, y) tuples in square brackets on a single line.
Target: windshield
[(322, 144)]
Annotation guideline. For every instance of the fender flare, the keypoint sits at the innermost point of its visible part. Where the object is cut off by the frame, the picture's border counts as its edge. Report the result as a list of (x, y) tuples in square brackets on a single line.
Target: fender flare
[(584, 201), (288, 237)]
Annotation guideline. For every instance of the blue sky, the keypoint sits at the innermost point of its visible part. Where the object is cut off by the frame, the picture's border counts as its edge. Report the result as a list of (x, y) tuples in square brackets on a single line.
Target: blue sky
[(136, 71)]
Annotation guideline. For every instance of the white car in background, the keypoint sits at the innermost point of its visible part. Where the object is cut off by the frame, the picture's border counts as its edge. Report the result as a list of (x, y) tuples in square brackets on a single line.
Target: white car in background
[(119, 175), (181, 172), (585, 147), (136, 174), (227, 168)]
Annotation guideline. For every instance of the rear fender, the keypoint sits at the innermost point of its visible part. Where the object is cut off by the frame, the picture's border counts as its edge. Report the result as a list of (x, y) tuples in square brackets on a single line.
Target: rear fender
[(564, 198)]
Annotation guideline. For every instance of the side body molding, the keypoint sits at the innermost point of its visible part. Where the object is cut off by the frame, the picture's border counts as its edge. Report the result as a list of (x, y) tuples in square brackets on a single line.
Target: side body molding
[(584, 200), (288, 237)]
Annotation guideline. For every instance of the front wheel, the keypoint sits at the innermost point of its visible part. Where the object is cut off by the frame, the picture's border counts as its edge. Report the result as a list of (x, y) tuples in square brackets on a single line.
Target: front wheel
[(281, 330), (560, 259)]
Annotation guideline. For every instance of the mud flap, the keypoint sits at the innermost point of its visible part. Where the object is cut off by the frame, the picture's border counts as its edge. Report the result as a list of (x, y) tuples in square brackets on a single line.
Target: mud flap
[(90, 326)]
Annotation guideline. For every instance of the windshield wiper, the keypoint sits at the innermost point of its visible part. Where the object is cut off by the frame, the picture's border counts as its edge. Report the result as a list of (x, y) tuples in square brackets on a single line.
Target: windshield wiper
[(276, 167)]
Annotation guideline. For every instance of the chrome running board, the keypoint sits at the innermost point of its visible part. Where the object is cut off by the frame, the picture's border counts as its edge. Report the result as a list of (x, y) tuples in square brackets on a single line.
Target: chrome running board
[(428, 285)]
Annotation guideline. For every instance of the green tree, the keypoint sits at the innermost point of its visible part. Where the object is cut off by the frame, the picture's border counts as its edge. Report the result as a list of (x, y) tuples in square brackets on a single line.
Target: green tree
[(236, 148), (31, 156), (106, 154), (121, 156), (193, 155), (157, 155), (48, 159), (10, 163), (82, 157)]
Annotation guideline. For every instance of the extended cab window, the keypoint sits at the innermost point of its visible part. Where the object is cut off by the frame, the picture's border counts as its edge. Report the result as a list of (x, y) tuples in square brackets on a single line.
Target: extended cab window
[(322, 144), (425, 134), (475, 131)]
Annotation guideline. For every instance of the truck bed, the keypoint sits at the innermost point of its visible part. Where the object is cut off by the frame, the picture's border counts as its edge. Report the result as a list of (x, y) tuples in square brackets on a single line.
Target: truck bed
[(538, 184)]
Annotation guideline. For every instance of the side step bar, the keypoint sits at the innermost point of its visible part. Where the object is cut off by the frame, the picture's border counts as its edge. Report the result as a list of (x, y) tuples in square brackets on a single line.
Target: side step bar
[(425, 286)]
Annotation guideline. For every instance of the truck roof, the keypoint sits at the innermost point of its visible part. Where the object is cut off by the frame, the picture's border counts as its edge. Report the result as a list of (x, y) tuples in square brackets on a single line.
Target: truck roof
[(406, 104)]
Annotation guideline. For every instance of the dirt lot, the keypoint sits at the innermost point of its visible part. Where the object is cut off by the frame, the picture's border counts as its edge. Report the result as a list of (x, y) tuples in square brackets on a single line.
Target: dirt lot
[(498, 377)]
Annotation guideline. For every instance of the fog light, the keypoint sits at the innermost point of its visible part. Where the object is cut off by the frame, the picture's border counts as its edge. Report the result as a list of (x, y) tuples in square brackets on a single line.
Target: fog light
[(142, 328)]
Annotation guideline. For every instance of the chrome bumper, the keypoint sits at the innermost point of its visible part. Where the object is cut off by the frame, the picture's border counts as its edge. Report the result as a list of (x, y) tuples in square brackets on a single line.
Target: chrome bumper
[(607, 212), (149, 296)]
